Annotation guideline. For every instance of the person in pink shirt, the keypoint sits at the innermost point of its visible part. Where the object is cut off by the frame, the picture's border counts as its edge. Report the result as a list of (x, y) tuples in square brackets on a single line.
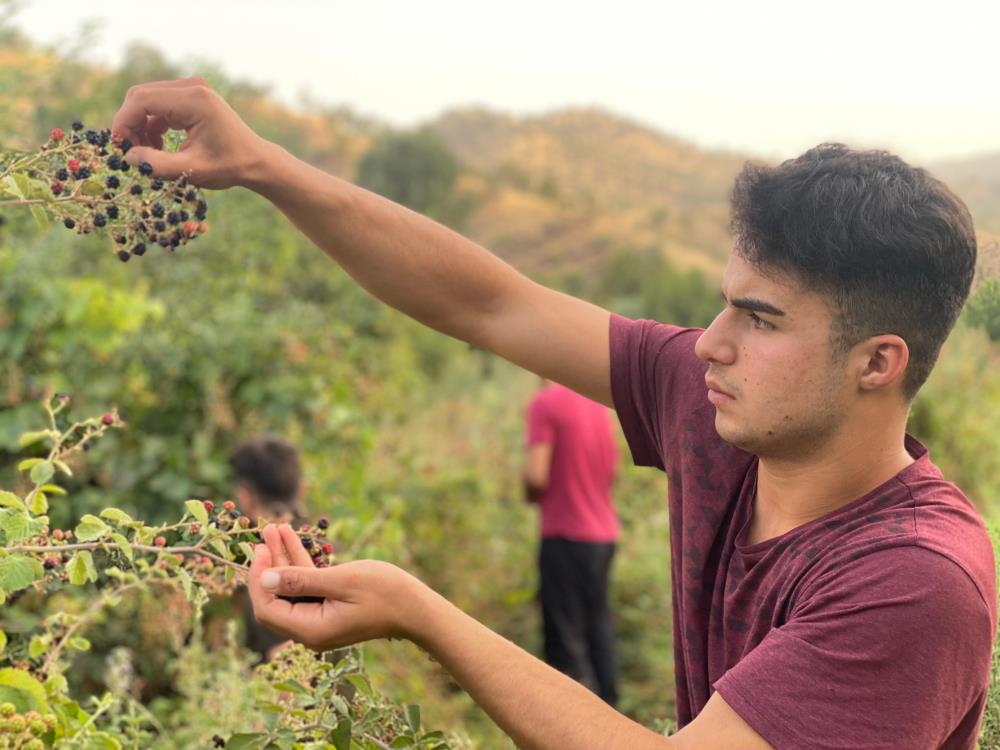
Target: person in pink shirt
[(569, 469)]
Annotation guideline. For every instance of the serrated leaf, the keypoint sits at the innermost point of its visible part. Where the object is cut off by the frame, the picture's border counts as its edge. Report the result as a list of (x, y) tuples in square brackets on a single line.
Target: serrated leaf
[(61, 465), (41, 473), (91, 528), (197, 509), (30, 438), (246, 741), (18, 572), (123, 545), (341, 736), (10, 500), (291, 686), (117, 515), (22, 681), (247, 551), (361, 684), (52, 489), (413, 717), (37, 502), (221, 547), (80, 644), (18, 526), (37, 646), (81, 568), (17, 185), (41, 218)]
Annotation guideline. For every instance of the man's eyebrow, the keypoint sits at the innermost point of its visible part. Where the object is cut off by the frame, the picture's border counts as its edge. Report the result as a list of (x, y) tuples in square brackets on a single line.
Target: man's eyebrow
[(754, 305)]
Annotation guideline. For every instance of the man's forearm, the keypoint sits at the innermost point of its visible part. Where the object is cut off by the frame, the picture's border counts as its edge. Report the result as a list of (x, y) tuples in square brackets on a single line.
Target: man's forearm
[(406, 260), (537, 706)]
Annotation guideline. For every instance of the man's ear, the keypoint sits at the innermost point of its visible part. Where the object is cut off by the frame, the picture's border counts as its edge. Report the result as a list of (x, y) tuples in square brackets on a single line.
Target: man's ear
[(881, 361)]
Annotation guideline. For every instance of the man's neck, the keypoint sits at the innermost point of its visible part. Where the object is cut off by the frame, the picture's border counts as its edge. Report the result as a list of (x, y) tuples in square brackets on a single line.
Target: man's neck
[(793, 492)]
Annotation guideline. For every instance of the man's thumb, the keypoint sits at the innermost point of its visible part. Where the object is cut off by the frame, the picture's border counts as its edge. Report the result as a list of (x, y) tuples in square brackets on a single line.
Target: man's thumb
[(166, 164), (294, 581)]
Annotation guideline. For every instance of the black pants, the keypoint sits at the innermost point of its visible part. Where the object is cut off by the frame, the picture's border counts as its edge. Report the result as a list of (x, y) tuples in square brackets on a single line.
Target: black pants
[(578, 628)]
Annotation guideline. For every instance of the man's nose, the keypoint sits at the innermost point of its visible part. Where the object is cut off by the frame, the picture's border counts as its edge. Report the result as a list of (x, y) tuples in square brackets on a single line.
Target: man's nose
[(715, 344)]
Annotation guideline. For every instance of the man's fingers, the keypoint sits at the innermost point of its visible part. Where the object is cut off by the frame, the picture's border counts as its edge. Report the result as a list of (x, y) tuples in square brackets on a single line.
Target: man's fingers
[(180, 106), (298, 581), (293, 546), (272, 537)]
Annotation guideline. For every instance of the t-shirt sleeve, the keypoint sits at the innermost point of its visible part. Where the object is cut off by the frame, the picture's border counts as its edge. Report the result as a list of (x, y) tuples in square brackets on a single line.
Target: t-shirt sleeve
[(656, 381), (890, 651), (541, 430)]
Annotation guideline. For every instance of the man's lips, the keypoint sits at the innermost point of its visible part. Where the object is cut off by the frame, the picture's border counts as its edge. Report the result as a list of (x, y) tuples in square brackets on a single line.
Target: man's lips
[(716, 393)]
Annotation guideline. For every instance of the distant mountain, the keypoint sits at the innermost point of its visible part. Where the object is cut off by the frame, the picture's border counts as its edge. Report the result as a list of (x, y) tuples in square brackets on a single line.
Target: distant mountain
[(977, 181)]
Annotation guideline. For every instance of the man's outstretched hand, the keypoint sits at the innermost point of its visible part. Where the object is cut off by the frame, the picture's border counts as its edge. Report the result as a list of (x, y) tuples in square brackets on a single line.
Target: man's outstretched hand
[(220, 150), (363, 600)]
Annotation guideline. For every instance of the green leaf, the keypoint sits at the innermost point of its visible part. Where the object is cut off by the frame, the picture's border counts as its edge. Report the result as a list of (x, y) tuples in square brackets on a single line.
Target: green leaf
[(29, 463), (81, 568), (116, 515), (197, 509), (186, 584), (17, 185), (41, 218), (18, 572), (123, 545), (92, 188), (52, 489), (361, 684), (91, 528), (37, 502), (102, 741), (247, 551), (80, 644), (221, 547), (341, 736), (413, 717), (30, 438), (61, 465), (38, 645), (18, 526), (41, 473), (290, 686), (10, 500), (246, 742), (3, 641)]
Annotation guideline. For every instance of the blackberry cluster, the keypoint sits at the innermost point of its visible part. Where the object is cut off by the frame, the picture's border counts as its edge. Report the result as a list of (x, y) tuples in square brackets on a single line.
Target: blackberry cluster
[(97, 190)]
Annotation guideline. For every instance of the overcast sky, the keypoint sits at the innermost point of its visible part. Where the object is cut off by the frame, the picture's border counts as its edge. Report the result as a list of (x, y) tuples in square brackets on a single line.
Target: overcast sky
[(768, 76)]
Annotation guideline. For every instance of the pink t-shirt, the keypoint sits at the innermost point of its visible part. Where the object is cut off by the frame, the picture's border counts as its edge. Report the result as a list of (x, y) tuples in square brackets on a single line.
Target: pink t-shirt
[(577, 502), (870, 627)]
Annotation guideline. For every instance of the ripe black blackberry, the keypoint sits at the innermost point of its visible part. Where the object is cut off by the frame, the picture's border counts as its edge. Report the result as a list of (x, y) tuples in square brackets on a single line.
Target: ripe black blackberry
[(157, 210), (217, 741), (173, 217), (112, 212), (157, 184), (184, 216), (92, 138), (146, 169), (136, 189), (114, 162), (160, 226), (123, 256), (190, 195), (62, 174), (139, 249), (84, 173), (112, 182), (77, 125), (125, 145), (125, 167), (100, 220), (69, 223)]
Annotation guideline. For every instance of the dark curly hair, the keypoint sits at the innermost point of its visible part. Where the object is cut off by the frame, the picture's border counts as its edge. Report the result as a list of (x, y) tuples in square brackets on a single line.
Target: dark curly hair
[(270, 468), (890, 247)]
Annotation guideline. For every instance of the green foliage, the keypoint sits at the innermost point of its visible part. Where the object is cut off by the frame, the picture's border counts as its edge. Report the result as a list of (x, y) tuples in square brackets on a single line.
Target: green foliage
[(983, 308), (989, 733), (415, 169)]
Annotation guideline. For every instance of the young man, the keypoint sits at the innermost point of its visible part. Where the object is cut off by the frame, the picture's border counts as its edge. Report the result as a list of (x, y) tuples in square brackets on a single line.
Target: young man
[(568, 470), (830, 589)]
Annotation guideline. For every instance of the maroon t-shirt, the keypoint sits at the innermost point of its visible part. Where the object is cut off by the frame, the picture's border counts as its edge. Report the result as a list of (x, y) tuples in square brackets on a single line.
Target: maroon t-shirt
[(870, 627)]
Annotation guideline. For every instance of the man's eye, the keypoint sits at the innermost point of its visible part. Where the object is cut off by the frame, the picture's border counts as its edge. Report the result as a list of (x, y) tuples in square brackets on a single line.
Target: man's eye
[(759, 322)]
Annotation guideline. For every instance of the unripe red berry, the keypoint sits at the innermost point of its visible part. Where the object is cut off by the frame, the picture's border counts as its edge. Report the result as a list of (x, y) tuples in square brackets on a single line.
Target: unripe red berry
[(56, 134), (202, 227), (194, 528), (108, 419), (57, 187), (229, 505), (305, 527), (49, 563), (58, 534), (190, 228), (244, 522), (209, 505), (160, 541), (322, 565), (73, 165), (327, 549)]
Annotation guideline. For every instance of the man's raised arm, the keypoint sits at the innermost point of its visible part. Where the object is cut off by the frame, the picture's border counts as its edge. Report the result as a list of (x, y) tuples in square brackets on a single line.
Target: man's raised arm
[(406, 260)]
